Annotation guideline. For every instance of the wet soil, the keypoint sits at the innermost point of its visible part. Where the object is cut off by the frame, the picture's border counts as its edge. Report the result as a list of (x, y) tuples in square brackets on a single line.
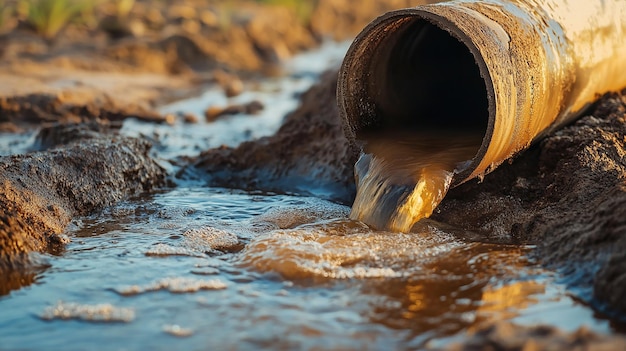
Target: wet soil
[(308, 155), (42, 192)]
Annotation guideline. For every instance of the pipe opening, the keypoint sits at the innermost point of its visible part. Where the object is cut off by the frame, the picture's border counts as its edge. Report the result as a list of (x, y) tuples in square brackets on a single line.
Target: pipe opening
[(423, 80), (428, 79)]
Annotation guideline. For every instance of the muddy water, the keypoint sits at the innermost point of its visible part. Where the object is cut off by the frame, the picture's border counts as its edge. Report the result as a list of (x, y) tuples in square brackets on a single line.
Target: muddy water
[(401, 177), (202, 268), (207, 268)]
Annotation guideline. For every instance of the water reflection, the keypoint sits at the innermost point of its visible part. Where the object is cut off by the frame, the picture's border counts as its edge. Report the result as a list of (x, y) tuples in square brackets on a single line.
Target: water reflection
[(27, 272), (457, 292), (14, 279)]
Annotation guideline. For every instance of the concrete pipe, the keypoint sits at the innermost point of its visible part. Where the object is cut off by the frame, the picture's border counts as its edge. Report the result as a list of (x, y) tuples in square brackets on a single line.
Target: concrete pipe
[(512, 69)]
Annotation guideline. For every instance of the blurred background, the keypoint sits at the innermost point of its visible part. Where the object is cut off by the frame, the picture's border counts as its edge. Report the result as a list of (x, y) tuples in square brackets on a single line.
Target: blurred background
[(179, 36)]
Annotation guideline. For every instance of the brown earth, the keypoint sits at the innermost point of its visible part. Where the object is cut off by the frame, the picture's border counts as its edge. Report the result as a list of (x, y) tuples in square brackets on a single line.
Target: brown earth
[(308, 154), (505, 336), (159, 52), (37, 109), (41, 192)]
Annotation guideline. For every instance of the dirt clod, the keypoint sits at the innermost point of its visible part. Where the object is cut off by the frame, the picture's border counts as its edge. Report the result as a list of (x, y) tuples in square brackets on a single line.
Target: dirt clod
[(214, 113), (41, 192)]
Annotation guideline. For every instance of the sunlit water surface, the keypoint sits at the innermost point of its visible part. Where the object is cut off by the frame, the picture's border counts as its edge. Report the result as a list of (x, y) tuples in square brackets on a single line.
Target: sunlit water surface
[(203, 268), (206, 268)]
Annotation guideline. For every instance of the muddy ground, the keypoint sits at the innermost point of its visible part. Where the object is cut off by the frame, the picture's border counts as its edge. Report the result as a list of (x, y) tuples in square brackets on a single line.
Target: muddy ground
[(309, 153), (41, 192), (566, 195)]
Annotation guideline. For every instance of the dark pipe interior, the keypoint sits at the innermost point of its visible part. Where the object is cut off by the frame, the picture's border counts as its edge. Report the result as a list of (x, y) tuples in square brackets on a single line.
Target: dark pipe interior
[(423, 78)]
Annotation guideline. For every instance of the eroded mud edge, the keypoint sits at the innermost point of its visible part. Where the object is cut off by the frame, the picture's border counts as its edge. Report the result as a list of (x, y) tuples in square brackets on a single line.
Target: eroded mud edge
[(41, 192)]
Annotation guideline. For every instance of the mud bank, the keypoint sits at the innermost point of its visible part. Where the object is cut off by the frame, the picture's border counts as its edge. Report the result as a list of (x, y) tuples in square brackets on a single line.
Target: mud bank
[(39, 109), (41, 192), (567, 194), (308, 155)]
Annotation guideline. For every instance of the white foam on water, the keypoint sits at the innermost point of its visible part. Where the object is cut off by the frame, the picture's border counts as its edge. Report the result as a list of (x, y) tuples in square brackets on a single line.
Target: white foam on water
[(177, 330), (343, 249), (308, 211), (177, 285), (165, 250), (89, 313), (208, 238), (196, 242)]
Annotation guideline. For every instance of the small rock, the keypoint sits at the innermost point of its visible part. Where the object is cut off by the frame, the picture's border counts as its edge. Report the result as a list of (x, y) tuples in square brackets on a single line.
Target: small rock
[(191, 26), (209, 19), (170, 119), (213, 113), (154, 19), (233, 88), (230, 83), (190, 118), (254, 107)]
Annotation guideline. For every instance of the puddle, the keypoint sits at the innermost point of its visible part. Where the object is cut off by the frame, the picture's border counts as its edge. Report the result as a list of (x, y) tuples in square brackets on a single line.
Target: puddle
[(209, 268)]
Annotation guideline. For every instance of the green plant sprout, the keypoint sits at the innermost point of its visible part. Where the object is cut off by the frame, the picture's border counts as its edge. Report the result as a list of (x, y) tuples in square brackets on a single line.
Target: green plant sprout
[(49, 17)]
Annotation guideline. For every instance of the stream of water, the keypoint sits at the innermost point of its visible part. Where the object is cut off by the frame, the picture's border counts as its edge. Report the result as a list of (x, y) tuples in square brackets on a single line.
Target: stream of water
[(201, 268), (402, 177)]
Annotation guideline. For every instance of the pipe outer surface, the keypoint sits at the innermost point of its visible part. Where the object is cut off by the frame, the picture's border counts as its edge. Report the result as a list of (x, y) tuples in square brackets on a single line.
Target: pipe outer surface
[(542, 63)]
